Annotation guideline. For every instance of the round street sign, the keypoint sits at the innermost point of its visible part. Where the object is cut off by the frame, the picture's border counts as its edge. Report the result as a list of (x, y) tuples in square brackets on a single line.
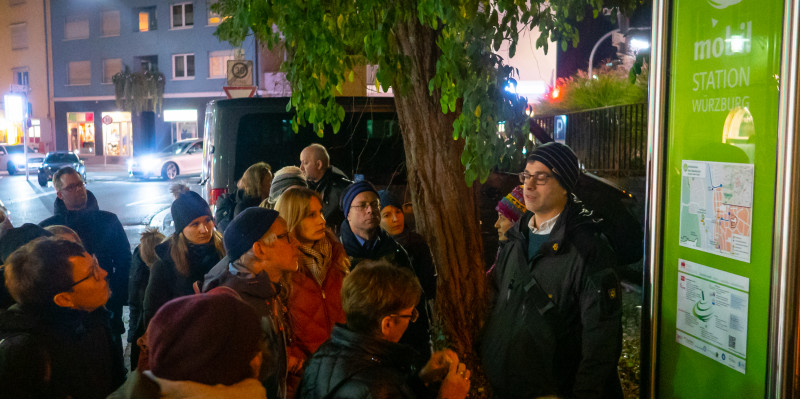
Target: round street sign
[(107, 120)]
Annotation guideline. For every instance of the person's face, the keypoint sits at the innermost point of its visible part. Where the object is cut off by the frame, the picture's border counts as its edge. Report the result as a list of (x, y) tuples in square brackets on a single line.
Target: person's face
[(392, 220), (363, 216), (502, 225), (281, 255), (90, 290), (310, 166), (200, 230), (73, 192), (312, 226), (394, 326), (543, 198)]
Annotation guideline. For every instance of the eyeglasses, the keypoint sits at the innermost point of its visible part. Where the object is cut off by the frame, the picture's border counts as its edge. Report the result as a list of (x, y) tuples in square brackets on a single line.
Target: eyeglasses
[(73, 187), (284, 235), (94, 272), (539, 178), (412, 318), (375, 205)]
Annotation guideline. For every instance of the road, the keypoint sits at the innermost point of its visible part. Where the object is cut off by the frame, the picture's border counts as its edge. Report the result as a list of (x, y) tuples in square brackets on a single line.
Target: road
[(138, 203)]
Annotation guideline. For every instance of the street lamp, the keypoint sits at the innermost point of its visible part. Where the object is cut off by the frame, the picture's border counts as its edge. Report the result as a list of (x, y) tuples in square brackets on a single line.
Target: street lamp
[(15, 106)]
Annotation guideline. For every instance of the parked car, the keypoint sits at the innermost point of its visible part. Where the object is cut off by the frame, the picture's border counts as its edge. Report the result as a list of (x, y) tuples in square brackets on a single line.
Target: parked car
[(56, 160), (12, 158), (184, 157)]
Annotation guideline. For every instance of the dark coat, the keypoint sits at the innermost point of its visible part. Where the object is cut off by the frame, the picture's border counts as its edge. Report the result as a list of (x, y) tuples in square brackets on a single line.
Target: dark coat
[(102, 235), (75, 348), (230, 205), (357, 366), (140, 276), (564, 337), (331, 187), (261, 294), (166, 283), (417, 335), (421, 260)]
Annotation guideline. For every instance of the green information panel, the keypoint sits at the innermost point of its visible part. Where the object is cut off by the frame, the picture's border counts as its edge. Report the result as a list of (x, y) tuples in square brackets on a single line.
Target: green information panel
[(718, 202)]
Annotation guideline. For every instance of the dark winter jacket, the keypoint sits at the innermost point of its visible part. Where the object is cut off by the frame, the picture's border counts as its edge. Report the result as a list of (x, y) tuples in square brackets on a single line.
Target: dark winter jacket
[(555, 328), (140, 276), (331, 187), (421, 260), (417, 335), (230, 205), (261, 294), (73, 348), (166, 283), (102, 235), (357, 366)]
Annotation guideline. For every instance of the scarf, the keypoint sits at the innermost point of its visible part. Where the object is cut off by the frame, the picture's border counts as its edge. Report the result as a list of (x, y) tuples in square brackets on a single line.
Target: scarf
[(317, 258)]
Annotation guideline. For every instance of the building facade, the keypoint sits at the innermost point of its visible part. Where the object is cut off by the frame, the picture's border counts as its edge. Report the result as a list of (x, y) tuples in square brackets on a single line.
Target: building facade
[(94, 40), (24, 75)]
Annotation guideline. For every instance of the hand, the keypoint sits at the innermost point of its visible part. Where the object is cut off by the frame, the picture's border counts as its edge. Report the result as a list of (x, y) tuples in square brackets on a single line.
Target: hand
[(295, 364), (436, 368), (456, 383)]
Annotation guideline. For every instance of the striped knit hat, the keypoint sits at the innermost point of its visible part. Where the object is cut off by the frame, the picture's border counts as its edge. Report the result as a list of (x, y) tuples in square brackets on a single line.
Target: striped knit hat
[(561, 160), (512, 206)]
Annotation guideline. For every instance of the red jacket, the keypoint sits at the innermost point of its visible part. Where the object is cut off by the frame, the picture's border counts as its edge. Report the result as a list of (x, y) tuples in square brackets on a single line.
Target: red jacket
[(314, 309)]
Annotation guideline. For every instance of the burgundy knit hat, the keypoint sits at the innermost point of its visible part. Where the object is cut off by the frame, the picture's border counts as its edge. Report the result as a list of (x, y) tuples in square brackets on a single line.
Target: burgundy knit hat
[(208, 338), (513, 205)]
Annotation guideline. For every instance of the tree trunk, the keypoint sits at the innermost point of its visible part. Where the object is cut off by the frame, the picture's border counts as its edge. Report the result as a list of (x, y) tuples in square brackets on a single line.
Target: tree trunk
[(444, 207)]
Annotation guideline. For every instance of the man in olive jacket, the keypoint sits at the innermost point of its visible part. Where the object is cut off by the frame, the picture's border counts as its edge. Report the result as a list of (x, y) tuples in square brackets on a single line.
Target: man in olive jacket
[(555, 328)]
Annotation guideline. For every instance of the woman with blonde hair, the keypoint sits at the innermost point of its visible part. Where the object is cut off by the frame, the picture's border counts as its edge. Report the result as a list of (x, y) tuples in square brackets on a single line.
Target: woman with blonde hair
[(186, 256), (315, 304), (251, 189)]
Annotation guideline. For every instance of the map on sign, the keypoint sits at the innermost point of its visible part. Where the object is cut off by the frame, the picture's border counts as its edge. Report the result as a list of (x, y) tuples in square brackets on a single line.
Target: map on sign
[(717, 208)]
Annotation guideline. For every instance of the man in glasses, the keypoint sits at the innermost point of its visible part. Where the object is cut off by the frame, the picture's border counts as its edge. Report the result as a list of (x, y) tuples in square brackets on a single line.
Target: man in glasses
[(101, 233), (260, 251), (363, 358), (555, 328), (56, 340), (364, 239)]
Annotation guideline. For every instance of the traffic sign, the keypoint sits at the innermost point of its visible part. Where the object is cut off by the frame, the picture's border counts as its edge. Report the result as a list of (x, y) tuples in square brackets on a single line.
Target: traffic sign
[(107, 120), (236, 92)]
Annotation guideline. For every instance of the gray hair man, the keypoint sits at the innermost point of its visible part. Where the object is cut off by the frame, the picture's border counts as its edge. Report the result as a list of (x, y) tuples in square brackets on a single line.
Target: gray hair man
[(327, 180)]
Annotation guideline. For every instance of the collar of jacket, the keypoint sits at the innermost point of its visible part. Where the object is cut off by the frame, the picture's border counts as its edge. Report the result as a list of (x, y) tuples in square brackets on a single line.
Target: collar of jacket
[(354, 249), (258, 285), (575, 216), (59, 208), (63, 320), (384, 352)]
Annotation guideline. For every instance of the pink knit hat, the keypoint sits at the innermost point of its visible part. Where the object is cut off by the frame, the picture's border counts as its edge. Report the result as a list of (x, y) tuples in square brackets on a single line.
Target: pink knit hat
[(513, 205)]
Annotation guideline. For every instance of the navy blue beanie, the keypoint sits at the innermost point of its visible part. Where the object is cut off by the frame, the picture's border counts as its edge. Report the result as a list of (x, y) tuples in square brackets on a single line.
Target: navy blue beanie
[(247, 228), (186, 208), (561, 160), (389, 198), (352, 191)]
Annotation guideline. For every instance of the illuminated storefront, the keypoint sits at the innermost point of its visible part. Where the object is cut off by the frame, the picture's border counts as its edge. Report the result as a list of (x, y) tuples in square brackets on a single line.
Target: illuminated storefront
[(80, 127), (183, 124), (117, 134)]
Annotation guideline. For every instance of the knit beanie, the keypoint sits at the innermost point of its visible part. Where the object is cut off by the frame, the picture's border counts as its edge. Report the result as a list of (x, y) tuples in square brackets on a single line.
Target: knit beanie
[(247, 228), (285, 178), (389, 198), (352, 191), (208, 338), (561, 160), (513, 205), (186, 208), (18, 237)]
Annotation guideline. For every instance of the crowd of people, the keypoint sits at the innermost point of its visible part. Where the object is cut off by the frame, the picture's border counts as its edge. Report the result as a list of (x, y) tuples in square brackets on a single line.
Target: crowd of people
[(303, 284)]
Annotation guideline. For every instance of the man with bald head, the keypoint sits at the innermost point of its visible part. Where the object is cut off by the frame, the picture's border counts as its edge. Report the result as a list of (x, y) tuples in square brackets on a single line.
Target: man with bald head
[(327, 180)]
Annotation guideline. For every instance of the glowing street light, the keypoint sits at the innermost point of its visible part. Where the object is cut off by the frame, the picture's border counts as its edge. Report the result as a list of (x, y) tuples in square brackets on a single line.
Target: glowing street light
[(14, 110)]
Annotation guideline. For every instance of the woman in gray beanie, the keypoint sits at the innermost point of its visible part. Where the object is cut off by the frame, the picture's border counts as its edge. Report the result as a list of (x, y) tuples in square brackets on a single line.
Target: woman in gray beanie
[(285, 178), (186, 256)]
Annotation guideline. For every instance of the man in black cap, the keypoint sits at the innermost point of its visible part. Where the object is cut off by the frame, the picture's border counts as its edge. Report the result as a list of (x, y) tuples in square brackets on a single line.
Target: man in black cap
[(101, 233), (262, 251), (555, 328), (363, 239)]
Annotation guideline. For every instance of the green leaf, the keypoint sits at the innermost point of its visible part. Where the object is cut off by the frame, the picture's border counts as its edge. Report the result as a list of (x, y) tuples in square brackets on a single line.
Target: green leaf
[(352, 76)]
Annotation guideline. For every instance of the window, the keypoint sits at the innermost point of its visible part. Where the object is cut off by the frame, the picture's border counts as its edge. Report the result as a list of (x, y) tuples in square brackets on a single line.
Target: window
[(111, 66), (80, 73), (146, 63), (111, 23), (182, 15), (218, 63), (76, 27), (19, 36), (183, 66), (213, 18), (21, 76), (144, 19)]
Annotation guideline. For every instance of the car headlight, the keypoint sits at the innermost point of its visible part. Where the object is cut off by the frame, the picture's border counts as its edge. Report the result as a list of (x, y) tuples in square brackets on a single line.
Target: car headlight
[(149, 164), (18, 159)]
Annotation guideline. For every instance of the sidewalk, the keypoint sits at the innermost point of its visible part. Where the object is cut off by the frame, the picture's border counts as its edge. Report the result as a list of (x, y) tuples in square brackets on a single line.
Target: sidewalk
[(106, 171)]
